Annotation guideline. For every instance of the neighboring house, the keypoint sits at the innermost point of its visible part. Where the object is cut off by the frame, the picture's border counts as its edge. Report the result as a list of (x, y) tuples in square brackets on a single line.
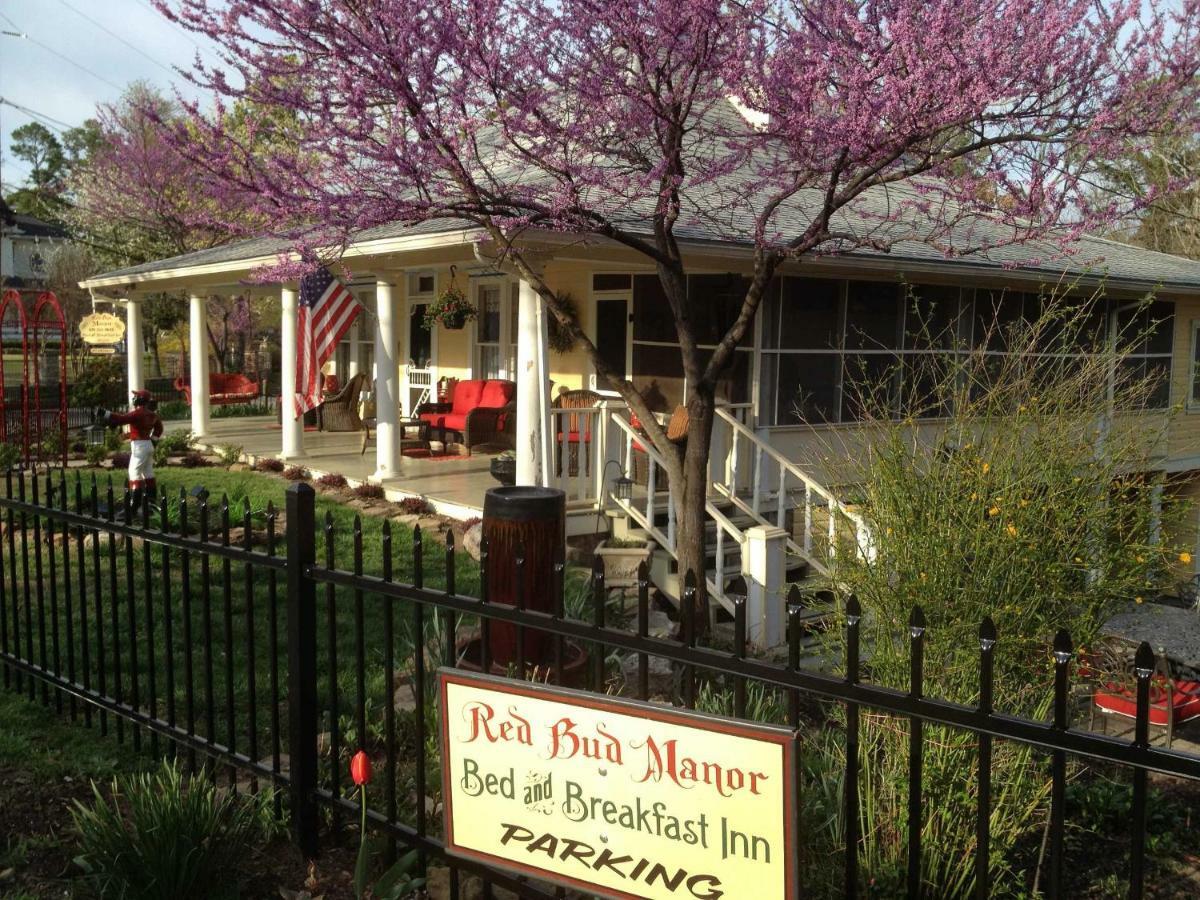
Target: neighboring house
[(26, 243), (823, 318)]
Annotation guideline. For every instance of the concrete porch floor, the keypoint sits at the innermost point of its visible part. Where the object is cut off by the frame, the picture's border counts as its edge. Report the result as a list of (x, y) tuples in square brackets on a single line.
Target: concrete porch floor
[(454, 486)]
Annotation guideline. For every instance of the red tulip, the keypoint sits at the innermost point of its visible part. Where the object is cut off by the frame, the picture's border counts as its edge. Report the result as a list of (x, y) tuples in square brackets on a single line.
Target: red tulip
[(360, 768)]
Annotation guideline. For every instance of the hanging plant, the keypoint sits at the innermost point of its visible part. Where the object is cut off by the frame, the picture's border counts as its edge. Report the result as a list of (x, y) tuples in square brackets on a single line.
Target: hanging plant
[(559, 338), (452, 309)]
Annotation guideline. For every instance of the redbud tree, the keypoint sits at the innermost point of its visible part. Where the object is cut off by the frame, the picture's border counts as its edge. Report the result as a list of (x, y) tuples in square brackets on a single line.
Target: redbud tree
[(962, 124)]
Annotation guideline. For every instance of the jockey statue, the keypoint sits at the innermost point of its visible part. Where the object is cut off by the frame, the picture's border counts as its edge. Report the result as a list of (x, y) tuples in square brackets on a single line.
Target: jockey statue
[(145, 427)]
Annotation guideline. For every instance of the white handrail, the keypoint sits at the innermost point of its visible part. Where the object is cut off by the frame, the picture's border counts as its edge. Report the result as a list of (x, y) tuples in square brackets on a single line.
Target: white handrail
[(655, 461), (761, 450), (790, 467)]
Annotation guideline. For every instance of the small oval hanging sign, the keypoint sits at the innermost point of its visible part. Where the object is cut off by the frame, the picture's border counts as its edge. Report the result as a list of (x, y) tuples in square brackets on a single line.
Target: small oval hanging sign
[(101, 328)]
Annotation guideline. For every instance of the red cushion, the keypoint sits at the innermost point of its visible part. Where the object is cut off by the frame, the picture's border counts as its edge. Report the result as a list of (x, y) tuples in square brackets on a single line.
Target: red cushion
[(454, 421), (1121, 700), (496, 394), (466, 395), (433, 418)]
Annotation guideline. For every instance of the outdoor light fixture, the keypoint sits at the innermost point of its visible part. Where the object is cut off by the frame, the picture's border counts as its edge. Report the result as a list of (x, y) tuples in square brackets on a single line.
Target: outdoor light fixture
[(623, 488)]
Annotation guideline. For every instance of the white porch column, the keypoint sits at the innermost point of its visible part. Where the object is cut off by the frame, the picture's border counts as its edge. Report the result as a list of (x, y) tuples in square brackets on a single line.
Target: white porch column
[(387, 380), (763, 561), (292, 444), (198, 353), (353, 358), (134, 348), (533, 388)]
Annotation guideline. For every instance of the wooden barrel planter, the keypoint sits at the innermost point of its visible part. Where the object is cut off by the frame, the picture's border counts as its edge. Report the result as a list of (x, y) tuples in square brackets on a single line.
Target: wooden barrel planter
[(533, 518)]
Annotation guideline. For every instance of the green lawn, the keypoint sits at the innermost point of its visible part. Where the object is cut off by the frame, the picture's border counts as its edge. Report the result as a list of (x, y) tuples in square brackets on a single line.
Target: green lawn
[(222, 628), (221, 637)]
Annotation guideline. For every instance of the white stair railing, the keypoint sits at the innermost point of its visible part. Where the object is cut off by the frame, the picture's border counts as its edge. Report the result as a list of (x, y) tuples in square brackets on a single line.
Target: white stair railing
[(772, 476), (646, 515)]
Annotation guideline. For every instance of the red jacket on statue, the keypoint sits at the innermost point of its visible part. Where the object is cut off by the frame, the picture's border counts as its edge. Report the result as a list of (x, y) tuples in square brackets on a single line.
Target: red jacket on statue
[(144, 424)]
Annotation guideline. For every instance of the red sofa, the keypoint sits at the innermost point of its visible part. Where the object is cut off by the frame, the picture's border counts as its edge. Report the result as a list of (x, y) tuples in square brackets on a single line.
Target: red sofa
[(223, 388), (480, 411)]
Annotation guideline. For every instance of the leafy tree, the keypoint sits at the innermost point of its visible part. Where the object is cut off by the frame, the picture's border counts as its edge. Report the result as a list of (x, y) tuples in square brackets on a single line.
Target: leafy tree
[(136, 200), (1163, 177), (961, 124), (43, 196)]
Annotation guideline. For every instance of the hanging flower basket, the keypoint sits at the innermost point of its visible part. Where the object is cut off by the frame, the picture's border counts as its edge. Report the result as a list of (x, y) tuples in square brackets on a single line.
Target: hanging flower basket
[(452, 309)]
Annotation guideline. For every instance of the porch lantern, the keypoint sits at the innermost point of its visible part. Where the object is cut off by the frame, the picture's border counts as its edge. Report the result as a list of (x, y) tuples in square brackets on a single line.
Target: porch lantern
[(623, 487)]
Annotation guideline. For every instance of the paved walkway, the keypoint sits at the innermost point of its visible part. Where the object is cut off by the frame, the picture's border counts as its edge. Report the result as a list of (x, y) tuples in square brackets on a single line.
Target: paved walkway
[(455, 486)]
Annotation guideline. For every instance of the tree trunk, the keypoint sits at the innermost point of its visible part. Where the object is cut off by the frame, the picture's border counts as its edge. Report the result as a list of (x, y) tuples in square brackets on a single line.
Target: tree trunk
[(690, 502), (154, 354)]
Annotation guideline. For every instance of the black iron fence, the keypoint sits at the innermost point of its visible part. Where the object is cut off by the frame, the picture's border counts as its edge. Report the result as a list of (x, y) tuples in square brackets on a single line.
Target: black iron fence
[(271, 646)]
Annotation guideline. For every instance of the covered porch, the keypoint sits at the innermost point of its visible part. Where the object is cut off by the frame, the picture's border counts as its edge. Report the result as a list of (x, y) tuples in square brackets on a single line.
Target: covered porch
[(453, 486)]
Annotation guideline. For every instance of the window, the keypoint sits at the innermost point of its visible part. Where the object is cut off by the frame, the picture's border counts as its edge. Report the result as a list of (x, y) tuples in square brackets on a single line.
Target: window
[(611, 281), (714, 302), (835, 350), (1194, 397), (1145, 332)]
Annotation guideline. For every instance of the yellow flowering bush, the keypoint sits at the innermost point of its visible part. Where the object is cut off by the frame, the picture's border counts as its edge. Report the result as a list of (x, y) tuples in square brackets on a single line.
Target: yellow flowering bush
[(1076, 542)]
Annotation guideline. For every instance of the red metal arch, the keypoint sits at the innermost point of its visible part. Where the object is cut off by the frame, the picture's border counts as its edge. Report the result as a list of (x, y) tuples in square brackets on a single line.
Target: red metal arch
[(12, 298), (54, 328)]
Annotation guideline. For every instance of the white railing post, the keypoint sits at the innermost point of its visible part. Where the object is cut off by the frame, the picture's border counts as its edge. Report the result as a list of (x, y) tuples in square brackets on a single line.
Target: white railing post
[(763, 561), (808, 518)]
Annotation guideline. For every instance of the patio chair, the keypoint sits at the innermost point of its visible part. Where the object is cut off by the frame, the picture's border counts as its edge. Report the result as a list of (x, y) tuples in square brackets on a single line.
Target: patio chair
[(339, 412), (482, 411), (570, 430), (1174, 700)]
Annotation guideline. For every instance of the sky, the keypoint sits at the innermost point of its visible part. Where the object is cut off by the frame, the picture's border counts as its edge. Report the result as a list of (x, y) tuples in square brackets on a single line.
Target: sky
[(66, 65)]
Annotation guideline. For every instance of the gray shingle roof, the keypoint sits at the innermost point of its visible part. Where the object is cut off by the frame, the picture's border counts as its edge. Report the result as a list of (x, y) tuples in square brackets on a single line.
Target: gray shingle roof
[(721, 213)]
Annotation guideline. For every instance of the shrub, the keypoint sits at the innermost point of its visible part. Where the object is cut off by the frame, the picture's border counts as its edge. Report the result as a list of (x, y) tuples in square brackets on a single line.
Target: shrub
[(332, 480), (269, 464), (174, 410), (173, 443), (229, 454), (95, 454), (368, 491), (120, 460), (296, 473), (416, 506), (238, 410), (1005, 508), (10, 455), (193, 460), (99, 383), (160, 837)]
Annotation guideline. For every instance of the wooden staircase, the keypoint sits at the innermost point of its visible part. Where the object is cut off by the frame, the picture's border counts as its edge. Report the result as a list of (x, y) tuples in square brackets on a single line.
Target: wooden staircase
[(754, 494)]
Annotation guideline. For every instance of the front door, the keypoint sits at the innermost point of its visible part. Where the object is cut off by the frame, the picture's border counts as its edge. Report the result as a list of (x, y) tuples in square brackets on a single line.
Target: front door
[(612, 337), (418, 370)]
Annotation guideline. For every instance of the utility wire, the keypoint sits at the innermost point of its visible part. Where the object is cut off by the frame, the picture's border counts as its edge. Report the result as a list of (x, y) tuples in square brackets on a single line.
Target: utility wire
[(61, 56), (113, 34), (50, 121), (187, 34)]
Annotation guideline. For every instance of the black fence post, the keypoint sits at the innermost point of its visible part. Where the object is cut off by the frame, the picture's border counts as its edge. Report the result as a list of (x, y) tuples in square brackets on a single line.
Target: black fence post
[(302, 664)]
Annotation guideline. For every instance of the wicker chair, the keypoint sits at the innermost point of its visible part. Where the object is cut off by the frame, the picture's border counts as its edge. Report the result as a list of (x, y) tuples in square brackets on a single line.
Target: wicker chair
[(339, 412), (574, 430)]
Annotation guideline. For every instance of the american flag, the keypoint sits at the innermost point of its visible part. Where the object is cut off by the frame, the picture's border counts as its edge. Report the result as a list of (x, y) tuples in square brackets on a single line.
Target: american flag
[(327, 309)]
